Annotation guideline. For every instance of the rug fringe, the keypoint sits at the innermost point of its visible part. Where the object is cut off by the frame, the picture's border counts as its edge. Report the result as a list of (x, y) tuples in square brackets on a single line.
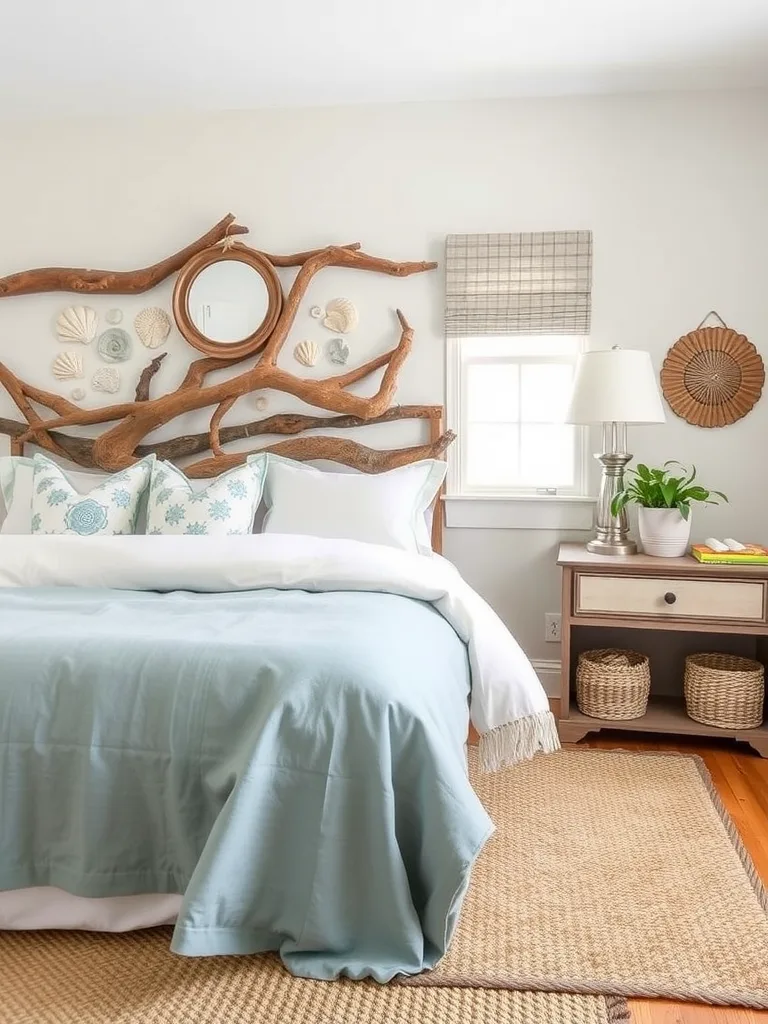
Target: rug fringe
[(518, 741)]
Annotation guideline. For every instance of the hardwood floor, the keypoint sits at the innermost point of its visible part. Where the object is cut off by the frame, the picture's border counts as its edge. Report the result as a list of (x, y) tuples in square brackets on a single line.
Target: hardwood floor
[(741, 778)]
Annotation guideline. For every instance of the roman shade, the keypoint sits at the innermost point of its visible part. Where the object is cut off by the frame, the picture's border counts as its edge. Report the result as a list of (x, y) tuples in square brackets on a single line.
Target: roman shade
[(524, 283)]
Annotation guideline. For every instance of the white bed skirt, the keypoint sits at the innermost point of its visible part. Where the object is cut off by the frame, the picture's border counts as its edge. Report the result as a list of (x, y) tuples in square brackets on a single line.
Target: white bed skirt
[(48, 907)]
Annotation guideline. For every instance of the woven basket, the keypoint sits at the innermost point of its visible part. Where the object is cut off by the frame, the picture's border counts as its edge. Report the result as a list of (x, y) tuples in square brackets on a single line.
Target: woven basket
[(613, 684), (724, 690)]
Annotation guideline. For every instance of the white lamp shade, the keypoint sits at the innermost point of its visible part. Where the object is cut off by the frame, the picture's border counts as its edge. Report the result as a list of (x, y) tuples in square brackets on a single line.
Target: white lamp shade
[(615, 385)]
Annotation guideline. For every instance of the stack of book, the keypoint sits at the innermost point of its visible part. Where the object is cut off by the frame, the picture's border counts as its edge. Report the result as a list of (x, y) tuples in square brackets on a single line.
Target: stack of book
[(752, 554)]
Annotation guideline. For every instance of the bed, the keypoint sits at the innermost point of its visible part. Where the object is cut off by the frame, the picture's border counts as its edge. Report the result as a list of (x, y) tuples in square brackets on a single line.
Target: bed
[(257, 737), (278, 737)]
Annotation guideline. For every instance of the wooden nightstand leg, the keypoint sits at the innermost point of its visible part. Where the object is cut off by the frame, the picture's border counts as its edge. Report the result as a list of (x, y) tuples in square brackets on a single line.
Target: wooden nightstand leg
[(760, 744), (572, 732)]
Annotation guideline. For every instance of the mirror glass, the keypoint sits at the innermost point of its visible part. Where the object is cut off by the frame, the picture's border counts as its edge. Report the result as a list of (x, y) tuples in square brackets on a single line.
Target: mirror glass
[(228, 301)]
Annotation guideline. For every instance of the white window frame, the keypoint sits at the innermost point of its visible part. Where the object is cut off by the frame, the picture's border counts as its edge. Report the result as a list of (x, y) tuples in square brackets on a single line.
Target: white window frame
[(507, 507)]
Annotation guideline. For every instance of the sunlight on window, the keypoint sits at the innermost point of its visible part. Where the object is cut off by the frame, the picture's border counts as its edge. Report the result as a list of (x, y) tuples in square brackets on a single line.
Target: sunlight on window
[(514, 394)]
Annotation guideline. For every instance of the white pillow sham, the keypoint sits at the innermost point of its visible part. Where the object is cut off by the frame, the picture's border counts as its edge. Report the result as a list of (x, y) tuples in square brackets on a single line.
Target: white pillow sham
[(382, 508), (109, 509), (225, 506), (16, 487)]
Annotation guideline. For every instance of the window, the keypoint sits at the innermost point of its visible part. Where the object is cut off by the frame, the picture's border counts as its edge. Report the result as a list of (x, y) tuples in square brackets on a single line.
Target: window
[(517, 314), (507, 402)]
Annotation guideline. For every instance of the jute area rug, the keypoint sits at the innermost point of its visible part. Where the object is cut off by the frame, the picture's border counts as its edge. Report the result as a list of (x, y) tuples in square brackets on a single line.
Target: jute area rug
[(612, 872), (79, 978)]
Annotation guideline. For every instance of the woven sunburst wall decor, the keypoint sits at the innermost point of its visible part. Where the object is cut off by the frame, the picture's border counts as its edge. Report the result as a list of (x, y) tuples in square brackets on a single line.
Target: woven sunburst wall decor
[(712, 376)]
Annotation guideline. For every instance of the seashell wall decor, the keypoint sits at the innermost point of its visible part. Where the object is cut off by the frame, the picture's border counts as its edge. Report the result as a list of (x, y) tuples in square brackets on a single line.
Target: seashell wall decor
[(260, 402), (68, 366), (115, 345), (316, 312), (306, 353), (77, 394), (152, 325), (114, 316), (338, 350), (340, 316), (106, 379), (77, 323)]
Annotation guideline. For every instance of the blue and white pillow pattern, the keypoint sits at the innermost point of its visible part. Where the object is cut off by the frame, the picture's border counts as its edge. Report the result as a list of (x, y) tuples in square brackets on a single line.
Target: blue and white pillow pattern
[(227, 506), (109, 509)]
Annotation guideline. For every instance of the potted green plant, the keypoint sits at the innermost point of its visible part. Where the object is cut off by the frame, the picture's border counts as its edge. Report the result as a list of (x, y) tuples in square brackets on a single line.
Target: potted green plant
[(664, 506)]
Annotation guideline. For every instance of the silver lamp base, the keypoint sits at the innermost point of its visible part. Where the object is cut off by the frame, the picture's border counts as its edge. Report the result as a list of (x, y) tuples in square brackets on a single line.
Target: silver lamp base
[(612, 532), (608, 547)]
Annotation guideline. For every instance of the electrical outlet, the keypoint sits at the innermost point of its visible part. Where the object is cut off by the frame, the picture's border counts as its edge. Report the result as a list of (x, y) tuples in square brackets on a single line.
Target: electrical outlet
[(552, 627)]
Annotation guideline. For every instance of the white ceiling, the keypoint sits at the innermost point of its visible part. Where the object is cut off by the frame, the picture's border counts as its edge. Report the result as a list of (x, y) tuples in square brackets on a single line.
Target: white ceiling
[(128, 56)]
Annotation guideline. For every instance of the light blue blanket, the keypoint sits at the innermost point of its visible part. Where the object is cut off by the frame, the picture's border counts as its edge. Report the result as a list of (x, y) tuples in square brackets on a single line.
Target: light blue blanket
[(291, 762)]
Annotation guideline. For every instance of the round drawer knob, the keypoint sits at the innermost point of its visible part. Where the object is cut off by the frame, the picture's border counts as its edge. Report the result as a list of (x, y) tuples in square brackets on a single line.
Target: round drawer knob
[(669, 597)]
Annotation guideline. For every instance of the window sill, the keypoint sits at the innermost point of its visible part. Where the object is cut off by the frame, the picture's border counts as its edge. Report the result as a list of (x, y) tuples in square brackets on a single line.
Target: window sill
[(529, 512)]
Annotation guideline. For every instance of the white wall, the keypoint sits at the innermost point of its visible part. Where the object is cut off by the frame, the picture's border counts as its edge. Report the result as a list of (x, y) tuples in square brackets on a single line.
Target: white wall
[(673, 187)]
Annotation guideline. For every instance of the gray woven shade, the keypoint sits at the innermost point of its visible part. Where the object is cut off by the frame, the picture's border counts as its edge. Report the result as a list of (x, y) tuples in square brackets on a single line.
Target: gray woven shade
[(527, 283)]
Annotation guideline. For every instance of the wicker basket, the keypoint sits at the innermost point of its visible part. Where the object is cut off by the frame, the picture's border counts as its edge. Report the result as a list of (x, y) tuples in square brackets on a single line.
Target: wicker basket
[(613, 684), (724, 690)]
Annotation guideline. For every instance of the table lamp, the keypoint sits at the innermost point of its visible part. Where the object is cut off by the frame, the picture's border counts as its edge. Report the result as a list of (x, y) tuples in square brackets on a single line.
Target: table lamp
[(614, 387)]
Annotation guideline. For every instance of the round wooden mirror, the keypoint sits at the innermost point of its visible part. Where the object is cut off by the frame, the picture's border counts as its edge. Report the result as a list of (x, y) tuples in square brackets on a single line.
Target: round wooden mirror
[(227, 301)]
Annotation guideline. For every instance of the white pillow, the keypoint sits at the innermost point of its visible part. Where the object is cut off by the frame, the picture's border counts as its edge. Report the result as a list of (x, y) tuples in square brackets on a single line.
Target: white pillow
[(107, 510), (224, 507), (16, 488), (381, 508)]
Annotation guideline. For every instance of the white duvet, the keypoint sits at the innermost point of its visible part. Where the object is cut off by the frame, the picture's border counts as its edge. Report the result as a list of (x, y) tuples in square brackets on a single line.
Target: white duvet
[(508, 705)]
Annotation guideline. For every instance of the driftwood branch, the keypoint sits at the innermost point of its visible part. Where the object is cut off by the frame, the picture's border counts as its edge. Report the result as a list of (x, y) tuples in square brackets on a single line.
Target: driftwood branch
[(80, 449), (142, 388), (332, 449), (123, 442), (213, 435), (111, 282), (298, 259)]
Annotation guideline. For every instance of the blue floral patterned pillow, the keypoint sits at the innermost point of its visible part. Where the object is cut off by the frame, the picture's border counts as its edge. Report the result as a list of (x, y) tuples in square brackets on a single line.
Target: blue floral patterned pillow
[(225, 506), (110, 508)]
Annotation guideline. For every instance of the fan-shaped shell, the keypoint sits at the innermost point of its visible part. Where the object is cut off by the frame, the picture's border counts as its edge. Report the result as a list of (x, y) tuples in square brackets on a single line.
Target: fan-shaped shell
[(340, 316), (306, 353), (152, 325), (77, 323), (106, 379), (712, 376), (68, 366), (338, 350)]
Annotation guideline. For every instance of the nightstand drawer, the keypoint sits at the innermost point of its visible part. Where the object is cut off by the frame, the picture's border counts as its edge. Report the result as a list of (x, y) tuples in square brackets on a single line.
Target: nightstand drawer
[(671, 598)]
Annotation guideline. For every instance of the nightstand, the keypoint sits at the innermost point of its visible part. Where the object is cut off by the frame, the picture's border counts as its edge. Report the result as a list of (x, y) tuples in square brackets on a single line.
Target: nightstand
[(673, 606)]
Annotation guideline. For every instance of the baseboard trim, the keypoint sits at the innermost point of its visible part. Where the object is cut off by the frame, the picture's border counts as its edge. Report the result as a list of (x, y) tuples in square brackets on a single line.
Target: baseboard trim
[(548, 671)]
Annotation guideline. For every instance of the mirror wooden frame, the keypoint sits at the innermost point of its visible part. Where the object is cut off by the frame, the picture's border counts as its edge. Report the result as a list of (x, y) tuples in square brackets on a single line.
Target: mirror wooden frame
[(188, 274)]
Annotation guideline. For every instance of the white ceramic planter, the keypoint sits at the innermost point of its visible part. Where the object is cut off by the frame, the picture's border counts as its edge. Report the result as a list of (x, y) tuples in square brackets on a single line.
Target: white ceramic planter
[(663, 531)]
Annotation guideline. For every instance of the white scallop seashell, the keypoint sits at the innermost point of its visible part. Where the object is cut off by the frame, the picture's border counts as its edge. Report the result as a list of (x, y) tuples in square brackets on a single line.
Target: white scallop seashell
[(68, 366), (77, 323), (152, 325), (77, 394), (341, 316), (316, 312), (114, 316), (106, 379), (306, 353), (261, 402)]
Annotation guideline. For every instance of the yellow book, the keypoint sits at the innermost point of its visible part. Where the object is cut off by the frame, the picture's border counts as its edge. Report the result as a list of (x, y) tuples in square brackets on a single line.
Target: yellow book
[(753, 554)]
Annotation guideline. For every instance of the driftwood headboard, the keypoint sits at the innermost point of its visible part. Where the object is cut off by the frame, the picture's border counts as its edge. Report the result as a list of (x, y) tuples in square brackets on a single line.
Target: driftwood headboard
[(127, 424)]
